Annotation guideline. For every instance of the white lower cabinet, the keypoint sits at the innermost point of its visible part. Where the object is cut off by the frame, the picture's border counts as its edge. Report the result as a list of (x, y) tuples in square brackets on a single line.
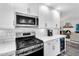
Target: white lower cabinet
[(57, 46), (52, 47), (47, 49)]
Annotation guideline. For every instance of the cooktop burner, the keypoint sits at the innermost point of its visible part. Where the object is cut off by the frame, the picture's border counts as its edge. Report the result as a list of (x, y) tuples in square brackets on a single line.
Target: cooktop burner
[(27, 42)]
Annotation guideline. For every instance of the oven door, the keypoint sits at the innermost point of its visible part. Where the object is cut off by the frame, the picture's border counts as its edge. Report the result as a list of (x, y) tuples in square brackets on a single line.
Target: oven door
[(39, 51)]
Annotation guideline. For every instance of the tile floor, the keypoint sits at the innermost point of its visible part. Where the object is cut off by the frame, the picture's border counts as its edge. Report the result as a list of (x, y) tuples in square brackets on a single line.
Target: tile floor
[(72, 49)]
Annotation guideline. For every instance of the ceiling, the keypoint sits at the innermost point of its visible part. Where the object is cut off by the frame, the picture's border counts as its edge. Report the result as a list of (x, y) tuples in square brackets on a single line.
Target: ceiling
[(68, 10)]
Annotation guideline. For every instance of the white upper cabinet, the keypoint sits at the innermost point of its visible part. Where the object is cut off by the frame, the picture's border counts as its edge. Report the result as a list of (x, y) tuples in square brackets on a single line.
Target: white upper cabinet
[(48, 18), (20, 7), (56, 18), (44, 16), (6, 16), (33, 9), (7, 13)]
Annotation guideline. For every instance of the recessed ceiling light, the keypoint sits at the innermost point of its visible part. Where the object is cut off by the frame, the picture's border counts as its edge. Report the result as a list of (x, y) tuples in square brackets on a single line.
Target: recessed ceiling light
[(55, 13), (58, 8), (44, 8)]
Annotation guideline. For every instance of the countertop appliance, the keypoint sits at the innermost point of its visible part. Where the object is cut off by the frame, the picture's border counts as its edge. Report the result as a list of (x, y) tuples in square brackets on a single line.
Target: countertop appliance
[(49, 32), (28, 45), (62, 44), (23, 20)]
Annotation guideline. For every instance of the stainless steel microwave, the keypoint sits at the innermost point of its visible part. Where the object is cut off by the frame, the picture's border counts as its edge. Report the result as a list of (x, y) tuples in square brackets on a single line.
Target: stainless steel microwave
[(24, 20)]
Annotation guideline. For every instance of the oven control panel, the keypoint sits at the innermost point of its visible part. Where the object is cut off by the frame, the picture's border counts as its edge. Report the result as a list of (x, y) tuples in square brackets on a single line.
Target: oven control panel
[(24, 34)]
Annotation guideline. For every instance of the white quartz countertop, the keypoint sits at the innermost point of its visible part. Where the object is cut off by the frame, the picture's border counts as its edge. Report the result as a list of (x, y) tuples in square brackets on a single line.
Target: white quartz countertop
[(7, 47), (47, 38)]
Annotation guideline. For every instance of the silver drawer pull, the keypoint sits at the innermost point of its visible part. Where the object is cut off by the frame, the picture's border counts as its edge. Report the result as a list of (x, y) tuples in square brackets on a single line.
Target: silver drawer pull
[(53, 47), (48, 43)]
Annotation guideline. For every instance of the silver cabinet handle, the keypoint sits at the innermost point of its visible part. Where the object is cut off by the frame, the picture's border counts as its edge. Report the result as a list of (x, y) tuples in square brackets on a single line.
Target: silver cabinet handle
[(48, 43), (53, 47)]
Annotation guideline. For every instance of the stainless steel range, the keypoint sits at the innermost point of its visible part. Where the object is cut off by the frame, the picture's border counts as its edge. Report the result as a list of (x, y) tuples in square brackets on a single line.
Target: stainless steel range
[(28, 45)]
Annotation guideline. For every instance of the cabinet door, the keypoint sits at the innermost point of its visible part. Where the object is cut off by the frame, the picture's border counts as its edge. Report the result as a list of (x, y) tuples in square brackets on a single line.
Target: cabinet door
[(41, 19), (6, 16), (33, 9), (52, 47), (48, 48), (56, 45)]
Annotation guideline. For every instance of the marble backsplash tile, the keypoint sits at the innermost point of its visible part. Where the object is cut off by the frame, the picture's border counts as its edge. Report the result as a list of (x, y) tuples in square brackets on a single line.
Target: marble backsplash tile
[(6, 32), (7, 35)]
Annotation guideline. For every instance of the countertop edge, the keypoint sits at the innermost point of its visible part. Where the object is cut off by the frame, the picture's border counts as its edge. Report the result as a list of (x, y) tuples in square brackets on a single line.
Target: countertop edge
[(47, 38)]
